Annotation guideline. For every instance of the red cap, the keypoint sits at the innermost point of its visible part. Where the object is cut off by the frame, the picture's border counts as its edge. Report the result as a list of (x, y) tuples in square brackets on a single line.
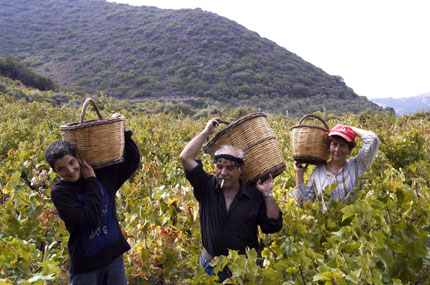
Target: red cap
[(343, 131)]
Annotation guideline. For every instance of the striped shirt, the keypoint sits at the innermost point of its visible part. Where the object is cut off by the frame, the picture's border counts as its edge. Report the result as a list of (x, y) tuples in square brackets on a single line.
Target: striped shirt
[(345, 177)]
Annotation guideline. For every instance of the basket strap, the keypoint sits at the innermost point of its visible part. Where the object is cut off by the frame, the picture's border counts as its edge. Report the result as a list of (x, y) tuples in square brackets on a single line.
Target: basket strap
[(84, 108), (314, 116)]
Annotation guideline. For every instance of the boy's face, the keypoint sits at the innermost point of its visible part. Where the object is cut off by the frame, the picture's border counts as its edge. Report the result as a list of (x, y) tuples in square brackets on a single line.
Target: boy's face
[(68, 168)]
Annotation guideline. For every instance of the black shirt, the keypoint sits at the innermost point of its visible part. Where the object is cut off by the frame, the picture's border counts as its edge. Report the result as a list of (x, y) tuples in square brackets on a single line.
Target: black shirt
[(233, 229)]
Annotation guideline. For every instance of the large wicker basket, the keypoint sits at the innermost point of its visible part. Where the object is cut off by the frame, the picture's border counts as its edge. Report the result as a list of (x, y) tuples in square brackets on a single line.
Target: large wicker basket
[(100, 142), (310, 143), (253, 135)]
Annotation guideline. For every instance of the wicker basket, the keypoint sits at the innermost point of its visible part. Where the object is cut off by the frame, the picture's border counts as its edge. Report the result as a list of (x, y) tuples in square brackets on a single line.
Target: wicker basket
[(310, 143), (100, 142), (253, 135)]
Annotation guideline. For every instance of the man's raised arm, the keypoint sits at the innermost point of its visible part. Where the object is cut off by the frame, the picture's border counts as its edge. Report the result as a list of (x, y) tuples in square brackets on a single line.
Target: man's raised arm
[(188, 154)]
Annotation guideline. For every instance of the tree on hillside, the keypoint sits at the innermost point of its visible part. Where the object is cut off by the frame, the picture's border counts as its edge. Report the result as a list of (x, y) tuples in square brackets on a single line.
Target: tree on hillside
[(18, 71)]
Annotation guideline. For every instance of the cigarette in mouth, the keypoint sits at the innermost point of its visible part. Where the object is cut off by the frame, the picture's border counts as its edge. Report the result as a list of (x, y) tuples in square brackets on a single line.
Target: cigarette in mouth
[(222, 183)]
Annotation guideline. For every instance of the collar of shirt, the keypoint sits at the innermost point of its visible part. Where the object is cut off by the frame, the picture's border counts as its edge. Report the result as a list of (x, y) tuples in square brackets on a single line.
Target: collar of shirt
[(242, 190)]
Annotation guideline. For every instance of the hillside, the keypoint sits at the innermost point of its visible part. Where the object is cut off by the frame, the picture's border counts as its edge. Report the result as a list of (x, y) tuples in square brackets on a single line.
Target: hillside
[(405, 105), (141, 53)]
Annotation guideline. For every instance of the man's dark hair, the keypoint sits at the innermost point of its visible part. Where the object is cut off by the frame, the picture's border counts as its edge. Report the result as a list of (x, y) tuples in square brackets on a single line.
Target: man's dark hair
[(58, 150)]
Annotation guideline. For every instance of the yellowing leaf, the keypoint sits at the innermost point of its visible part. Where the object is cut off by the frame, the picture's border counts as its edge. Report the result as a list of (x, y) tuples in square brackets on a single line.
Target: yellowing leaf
[(348, 211)]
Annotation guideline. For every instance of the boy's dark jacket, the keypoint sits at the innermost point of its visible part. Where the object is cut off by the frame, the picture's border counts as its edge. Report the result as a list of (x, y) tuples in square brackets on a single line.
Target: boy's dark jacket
[(88, 209)]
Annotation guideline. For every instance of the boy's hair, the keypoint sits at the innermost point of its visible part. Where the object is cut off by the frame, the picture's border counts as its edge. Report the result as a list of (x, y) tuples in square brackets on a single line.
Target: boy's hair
[(58, 150)]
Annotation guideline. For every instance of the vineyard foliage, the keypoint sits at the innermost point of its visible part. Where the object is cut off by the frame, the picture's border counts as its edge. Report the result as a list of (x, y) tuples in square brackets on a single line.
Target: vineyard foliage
[(381, 239)]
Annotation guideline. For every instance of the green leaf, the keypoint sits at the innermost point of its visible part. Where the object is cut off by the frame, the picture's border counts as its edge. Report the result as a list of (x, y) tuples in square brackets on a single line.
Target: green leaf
[(325, 276), (348, 211)]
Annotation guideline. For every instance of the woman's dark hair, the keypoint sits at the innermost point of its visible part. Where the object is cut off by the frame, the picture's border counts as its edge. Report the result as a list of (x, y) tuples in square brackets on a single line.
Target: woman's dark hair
[(351, 144), (58, 150)]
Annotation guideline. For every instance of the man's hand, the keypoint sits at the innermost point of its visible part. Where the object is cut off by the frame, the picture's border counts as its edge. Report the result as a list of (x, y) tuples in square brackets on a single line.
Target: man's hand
[(211, 126), (188, 154), (86, 170), (266, 186)]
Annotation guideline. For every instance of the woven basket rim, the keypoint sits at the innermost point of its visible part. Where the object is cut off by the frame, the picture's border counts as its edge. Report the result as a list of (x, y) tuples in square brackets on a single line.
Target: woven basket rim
[(275, 171), (107, 163), (309, 159), (90, 123), (231, 126)]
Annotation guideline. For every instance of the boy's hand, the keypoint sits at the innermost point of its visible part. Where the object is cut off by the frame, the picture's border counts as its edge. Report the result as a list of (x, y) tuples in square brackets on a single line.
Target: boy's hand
[(117, 115), (86, 170)]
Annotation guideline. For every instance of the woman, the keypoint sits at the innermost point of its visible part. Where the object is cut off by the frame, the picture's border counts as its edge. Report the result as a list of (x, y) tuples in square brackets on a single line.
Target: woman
[(339, 169)]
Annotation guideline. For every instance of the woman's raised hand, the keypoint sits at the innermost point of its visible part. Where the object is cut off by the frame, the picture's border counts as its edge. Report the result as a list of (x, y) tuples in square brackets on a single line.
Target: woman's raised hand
[(300, 168)]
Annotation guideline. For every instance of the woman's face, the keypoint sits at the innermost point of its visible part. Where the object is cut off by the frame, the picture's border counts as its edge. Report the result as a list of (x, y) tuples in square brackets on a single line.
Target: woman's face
[(339, 150)]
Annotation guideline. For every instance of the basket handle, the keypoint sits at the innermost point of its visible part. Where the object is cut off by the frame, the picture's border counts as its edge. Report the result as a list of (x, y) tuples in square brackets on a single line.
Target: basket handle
[(315, 116), (221, 121), (84, 108)]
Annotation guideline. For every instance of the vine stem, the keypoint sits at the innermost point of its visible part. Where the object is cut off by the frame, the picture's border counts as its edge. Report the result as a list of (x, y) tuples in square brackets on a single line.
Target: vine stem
[(301, 273)]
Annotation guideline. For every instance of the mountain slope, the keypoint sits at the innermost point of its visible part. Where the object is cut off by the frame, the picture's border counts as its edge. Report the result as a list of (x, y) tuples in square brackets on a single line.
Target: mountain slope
[(145, 52), (405, 105)]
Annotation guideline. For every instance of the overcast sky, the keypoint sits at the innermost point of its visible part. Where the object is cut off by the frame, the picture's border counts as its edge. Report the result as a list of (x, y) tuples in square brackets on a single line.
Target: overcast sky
[(381, 48)]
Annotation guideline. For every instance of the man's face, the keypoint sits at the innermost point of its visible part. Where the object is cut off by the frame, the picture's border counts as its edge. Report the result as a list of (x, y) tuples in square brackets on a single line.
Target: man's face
[(68, 168), (228, 170)]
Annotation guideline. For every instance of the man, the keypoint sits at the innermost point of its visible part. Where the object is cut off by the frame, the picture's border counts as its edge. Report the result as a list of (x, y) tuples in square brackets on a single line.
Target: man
[(85, 200), (229, 210)]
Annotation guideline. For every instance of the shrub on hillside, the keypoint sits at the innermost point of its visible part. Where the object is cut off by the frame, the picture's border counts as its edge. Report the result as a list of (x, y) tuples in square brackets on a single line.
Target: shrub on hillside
[(18, 71)]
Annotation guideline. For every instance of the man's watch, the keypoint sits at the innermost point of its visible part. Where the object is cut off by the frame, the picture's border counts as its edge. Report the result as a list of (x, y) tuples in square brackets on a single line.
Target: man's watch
[(267, 195)]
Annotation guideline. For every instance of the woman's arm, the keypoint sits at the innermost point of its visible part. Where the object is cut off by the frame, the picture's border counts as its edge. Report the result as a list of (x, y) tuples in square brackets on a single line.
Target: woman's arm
[(300, 171), (302, 192), (360, 132), (367, 152)]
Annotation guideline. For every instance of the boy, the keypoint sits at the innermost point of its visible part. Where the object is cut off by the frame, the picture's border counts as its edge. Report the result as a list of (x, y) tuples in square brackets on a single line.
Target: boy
[(85, 201)]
